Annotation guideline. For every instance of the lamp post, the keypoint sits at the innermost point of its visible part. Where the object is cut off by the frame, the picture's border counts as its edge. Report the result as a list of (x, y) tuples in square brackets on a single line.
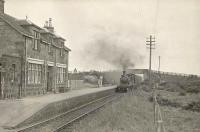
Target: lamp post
[(75, 71)]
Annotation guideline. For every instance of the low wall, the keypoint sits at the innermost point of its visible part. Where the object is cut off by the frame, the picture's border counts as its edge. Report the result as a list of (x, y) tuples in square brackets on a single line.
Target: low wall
[(56, 108), (76, 84)]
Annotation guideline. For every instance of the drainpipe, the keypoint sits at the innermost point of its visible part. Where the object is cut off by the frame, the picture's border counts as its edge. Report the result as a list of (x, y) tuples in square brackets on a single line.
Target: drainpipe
[(55, 74), (25, 67), (66, 72), (45, 72), (21, 78)]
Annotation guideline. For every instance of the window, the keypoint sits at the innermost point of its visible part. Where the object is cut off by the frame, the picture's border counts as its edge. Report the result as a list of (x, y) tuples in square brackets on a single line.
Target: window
[(49, 48), (61, 49), (50, 45), (29, 41), (34, 73), (36, 40), (60, 75), (64, 73)]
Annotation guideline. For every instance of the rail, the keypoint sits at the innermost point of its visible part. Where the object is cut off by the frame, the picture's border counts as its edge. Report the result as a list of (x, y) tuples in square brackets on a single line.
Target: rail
[(64, 126), (37, 126)]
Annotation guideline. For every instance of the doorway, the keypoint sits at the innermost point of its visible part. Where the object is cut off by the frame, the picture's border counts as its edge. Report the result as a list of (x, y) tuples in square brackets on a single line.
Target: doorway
[(1, 82), (1, 96), (49, 78)]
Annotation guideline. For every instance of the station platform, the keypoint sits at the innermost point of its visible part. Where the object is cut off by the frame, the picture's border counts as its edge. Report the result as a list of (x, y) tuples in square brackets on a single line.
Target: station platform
[(12, 112)]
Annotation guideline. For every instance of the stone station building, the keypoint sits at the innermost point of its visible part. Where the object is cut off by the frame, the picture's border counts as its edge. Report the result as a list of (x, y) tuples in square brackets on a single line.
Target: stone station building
[(33, 60)]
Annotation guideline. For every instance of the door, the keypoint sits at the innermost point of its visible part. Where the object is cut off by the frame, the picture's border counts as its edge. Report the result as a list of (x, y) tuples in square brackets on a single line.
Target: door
[(1, 84), (49, 79)]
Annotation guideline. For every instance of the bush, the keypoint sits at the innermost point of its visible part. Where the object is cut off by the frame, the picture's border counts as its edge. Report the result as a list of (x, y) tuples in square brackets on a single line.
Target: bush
[(193, 106), (150, 99), (167, 102), (193, 89), (164, 102), (90, 79), (145, 88), (182, 93), (187, 86), (172, 86)]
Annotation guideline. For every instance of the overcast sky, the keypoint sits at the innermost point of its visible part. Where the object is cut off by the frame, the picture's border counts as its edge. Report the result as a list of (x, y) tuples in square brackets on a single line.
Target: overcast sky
[(175, 24)]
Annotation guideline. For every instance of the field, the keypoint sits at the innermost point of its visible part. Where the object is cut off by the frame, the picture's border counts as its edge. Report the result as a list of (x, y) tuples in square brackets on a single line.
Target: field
[(134, 113)]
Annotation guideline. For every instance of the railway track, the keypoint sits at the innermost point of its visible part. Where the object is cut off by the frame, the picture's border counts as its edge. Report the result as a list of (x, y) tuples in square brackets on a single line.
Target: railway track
[(62, 122)]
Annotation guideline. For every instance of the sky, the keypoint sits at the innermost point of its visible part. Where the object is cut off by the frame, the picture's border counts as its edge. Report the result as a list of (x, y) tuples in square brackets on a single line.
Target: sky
[(175, 25)]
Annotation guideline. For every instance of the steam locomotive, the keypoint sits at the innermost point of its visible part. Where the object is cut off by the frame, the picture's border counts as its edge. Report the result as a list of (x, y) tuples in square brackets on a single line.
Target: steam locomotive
[(127, 82)]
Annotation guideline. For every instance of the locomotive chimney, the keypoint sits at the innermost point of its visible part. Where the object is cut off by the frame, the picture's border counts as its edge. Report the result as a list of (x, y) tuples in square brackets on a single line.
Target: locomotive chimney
[(124, 70)]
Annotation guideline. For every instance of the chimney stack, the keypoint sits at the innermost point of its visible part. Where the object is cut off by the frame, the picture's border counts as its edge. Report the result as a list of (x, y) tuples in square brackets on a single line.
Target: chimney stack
[(48, 25), (2, 6)]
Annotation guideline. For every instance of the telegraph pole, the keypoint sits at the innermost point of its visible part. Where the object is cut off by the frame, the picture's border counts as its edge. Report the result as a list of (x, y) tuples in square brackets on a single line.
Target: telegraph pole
[(159, 63), (159, 69), (150, 42), (150, 45), (75, 71)]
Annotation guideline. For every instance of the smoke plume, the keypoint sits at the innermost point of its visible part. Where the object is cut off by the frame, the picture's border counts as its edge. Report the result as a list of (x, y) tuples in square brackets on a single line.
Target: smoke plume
[(114, 51)]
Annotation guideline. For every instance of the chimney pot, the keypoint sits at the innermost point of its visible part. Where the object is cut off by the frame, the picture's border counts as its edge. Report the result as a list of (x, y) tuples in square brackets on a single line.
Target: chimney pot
[(50, 22), (46, 24)]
